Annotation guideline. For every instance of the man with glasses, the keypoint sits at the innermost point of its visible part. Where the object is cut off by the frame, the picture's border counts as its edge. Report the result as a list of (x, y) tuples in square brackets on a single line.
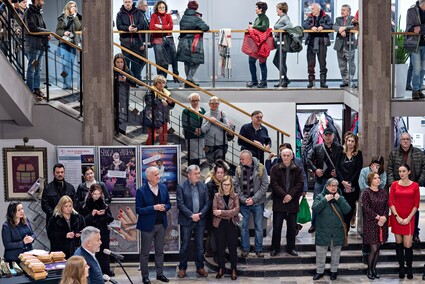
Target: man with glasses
[(412, 156), (321, 161), (258, 134)]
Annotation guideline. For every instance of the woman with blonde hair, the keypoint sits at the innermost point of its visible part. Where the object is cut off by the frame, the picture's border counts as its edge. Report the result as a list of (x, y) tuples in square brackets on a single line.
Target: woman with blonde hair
[(76, 271), (64, 228)]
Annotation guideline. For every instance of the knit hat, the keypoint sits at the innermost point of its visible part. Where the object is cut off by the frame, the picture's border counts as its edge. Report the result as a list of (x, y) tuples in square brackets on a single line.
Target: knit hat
[(193, 5)]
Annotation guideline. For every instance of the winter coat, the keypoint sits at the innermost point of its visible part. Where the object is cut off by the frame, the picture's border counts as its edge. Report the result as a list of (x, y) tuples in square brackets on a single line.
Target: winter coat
[(127, 18), (81, 195), (413, 19), (52, 194), (70, 24), (324, 21), (395, 160), (154, 105), (191, 121), (282, 187), (167, 25), (98, 221), (328, 225), (344, 42), (13, 236), (35, 23), (227, 213), (191, 46), (317, 156)]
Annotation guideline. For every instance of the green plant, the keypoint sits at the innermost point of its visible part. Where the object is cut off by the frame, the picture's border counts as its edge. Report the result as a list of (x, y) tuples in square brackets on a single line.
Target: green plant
[(401, 54)]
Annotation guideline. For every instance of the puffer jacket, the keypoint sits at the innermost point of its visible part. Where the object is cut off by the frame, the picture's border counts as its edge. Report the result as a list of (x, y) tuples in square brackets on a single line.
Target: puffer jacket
[(35, 23), (191, 46), (395, 160), (279, 183), (328, 225)]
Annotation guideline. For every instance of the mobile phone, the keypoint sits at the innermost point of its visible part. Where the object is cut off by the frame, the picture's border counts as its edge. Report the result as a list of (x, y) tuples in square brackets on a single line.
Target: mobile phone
[(174, 12), (250, 23)]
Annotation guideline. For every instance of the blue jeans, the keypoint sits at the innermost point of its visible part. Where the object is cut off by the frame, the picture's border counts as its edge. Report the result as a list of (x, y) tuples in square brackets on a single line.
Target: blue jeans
[(318, 188), (418, 62), (68, 60), (257, 211), (33, 70), (253, 70), (186, 233)]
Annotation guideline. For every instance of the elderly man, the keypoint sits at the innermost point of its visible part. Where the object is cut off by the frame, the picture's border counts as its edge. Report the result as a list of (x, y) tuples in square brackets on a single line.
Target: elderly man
[(317, 43), (193, 203), (321, 161), (345, 45), (257, 133), (152, 204), (130, 20), (286, 181), (416, 45), (251, 183), (90, 245), (215, 137), (412, 156)]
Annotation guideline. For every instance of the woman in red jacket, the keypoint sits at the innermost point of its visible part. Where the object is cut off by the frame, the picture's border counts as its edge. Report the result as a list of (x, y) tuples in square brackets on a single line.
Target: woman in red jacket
[(163, 43)]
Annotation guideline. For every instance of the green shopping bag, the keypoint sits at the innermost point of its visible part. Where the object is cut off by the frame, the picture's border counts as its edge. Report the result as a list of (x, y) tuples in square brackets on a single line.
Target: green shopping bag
[(304, 214)]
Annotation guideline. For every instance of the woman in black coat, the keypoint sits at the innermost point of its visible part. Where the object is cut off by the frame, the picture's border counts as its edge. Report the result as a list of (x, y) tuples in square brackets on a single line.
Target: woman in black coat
[(97, 214), (83, 189), (64, 228)]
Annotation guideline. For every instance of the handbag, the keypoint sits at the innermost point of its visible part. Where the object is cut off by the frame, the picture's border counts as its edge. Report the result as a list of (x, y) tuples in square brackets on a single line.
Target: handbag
[(342, 222), (304, 215)]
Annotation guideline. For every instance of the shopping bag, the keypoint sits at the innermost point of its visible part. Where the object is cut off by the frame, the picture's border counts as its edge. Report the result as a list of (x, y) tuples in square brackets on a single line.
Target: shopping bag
[(304, 214)]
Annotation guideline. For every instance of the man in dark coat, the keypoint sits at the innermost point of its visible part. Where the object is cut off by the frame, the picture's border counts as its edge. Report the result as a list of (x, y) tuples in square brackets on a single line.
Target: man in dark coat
[(286, 181), (55, 190), (191, 49)]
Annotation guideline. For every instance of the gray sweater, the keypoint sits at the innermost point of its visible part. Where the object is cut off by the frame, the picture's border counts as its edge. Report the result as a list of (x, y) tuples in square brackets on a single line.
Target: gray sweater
[(213, 134)]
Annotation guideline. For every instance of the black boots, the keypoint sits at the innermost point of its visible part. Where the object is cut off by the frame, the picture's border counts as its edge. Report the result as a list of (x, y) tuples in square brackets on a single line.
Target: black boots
[(409, 259), (399, 249), (323, 82)]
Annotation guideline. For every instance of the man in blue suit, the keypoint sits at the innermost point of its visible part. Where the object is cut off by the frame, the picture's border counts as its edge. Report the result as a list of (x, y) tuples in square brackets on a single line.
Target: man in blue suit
[(193, 204), (152, 204), (90, 245)]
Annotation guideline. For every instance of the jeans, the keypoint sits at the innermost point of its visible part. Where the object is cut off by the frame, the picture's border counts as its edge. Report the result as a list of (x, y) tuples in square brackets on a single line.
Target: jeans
[(34, 68), (186, 232), (418, 62), (253, 70), (68, 60), (257, 211), (318, 188)]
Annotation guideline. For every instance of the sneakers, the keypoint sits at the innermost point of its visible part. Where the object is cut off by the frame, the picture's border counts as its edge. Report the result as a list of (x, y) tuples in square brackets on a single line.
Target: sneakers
[(262, 85), (39, 96), (416, 95), (251, 84)]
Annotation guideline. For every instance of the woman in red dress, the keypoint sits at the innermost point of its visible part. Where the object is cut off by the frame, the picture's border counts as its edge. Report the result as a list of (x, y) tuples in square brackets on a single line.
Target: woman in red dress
[(404, 202)]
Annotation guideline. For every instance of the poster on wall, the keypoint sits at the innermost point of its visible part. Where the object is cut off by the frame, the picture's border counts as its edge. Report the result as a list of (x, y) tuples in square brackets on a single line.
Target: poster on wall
[(172, 233), (167, 159), (117, 167), (124, 235), (75, 159)]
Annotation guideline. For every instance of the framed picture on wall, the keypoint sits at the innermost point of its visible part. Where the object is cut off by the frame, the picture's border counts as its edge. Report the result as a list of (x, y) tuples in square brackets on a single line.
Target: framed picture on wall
[(22, 168)]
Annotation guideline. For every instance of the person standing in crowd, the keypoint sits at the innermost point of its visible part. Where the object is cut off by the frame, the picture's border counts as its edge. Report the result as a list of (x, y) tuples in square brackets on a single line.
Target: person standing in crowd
[(257, 133), (261, 24), (96, 213), (219, 170), (129, 21), (160, 107), (415, 159), (329, 207), (142, 5), (404, 203), (191, 47), (193, 204), (35, 45), (345, 45), (76, 271), (279, 60), (90, 245), (414, 20), (21, 8), (64, 228), (321, 161), (191, 122), (377, 165), (55, 190), (69, 22), (17, 234), (286, 181), (83, 188), (152, 204), (162, 21), (215, 137), (375, 216), (348, 167), (226, 210), (317, 43), (121, 93), (251, 183)]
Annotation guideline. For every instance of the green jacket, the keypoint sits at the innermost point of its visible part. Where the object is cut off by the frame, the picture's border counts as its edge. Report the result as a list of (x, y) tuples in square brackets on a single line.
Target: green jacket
[(190, 122), (261, 23), (328, 225)]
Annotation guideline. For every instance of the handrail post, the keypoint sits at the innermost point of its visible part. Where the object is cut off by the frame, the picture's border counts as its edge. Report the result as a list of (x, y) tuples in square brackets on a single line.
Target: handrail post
[(280, 58), (349, 61), (81, 83), (393, 67), (46, 54), (213, 59)]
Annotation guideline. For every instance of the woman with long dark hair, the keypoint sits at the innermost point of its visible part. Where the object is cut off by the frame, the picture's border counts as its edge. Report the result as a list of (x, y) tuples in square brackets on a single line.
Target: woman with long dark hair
[(375, 225), (84, 187), (404, 202)]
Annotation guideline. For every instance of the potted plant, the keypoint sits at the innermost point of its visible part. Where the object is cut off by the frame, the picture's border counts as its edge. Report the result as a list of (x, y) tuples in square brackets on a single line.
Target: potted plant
[(399, 58)]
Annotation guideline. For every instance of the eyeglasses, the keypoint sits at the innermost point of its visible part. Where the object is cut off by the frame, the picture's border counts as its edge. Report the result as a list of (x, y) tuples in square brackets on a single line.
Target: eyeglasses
[(226, 184), (161, 7), (214, 103), (258, 117), (405, 139)]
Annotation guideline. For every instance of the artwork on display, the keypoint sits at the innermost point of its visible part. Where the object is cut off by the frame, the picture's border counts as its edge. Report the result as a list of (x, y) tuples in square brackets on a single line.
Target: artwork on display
[(172, 233), (167, 159), (118, 170), (124, 235), (74, 159), (22, 168)]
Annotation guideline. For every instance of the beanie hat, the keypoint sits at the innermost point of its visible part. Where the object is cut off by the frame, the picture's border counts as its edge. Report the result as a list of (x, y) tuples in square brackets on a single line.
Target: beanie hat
[(193, 5)]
